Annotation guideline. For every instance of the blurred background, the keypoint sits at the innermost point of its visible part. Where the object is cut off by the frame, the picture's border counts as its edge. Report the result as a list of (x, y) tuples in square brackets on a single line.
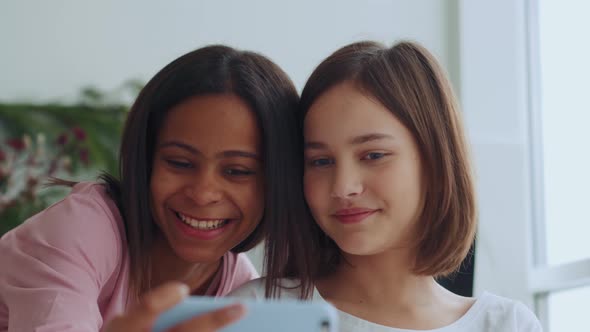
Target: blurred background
[(69, 71)]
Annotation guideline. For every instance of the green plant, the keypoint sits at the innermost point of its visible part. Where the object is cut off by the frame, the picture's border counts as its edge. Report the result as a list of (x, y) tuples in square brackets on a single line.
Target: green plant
[(26, 164), (39, 141)]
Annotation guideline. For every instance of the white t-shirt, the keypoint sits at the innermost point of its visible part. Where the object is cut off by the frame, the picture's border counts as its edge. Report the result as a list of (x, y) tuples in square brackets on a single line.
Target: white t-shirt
[(489, 313)]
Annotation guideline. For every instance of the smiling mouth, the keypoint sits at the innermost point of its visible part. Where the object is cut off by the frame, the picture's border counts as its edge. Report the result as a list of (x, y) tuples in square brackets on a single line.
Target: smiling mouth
[(202, 224)]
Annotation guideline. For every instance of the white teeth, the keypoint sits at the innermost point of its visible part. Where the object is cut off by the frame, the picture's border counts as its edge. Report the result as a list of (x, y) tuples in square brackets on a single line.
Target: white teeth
[(202, 224)]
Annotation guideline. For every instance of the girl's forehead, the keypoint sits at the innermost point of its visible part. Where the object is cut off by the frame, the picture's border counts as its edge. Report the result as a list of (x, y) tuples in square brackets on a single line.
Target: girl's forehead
[(212, 123), (348, 111), (345, 116)]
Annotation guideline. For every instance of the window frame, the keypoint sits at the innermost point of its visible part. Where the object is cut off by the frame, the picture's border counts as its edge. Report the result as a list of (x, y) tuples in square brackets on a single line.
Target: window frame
[(545, 279)]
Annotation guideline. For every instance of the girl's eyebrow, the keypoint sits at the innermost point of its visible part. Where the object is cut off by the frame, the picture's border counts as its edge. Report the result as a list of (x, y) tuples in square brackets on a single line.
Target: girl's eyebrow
[(238, 153), (220, 155), (314, 145), (369, 137)]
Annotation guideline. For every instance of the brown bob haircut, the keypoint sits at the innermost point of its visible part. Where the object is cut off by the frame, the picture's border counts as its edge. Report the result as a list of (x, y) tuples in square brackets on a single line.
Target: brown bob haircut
[(407, 80)]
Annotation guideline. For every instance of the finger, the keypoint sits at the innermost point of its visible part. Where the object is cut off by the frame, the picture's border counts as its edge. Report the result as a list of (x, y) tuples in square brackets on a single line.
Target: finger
[(154, 303), (214, 320), (163, 297)]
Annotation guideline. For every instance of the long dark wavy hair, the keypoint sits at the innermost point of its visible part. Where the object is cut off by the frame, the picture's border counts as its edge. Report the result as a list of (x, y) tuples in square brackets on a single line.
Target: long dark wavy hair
[(211, 70)]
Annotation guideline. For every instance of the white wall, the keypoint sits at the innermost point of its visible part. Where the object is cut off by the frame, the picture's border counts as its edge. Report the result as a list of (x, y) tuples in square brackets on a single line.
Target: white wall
[(494, 86), (49, 49)]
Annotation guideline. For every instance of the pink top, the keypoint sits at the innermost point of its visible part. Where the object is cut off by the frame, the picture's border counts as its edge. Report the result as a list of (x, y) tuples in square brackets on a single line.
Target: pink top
[(66, 268)]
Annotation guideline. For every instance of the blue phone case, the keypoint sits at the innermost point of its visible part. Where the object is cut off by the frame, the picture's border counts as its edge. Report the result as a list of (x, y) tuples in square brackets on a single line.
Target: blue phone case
[(261, 316)]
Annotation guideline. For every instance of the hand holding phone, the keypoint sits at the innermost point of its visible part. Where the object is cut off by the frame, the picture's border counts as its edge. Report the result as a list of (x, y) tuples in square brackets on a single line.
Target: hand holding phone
[(142, 316)]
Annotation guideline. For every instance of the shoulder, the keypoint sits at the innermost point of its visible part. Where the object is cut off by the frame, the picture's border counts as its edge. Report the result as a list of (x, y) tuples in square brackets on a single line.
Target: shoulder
[(87, 209), (85, 228), (239, 267), (507, 311), (64, 261), (253, 289), (236, 270)]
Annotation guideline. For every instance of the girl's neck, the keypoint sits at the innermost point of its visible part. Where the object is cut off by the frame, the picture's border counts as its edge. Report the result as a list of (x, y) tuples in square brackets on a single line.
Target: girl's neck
[(382, 289), (376, 278), (167, 266)]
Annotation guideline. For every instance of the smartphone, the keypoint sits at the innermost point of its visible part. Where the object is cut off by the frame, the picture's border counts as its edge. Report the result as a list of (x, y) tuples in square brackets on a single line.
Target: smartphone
[(261, 315)]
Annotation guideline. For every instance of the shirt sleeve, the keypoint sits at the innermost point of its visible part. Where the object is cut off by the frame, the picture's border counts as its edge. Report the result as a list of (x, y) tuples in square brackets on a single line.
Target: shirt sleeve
[(54, 266), (253, 289), (236, 271), (526, 319), (245, 271)]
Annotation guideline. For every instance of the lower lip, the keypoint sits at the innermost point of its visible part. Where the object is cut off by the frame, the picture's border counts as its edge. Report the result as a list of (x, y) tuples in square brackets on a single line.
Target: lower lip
[(354, 218), (200, 233)]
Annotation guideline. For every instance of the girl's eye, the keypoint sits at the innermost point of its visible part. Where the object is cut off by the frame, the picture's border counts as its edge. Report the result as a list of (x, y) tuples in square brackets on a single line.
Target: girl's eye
[(320, 162), (178, 163), (238, 172), (374, 156)]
